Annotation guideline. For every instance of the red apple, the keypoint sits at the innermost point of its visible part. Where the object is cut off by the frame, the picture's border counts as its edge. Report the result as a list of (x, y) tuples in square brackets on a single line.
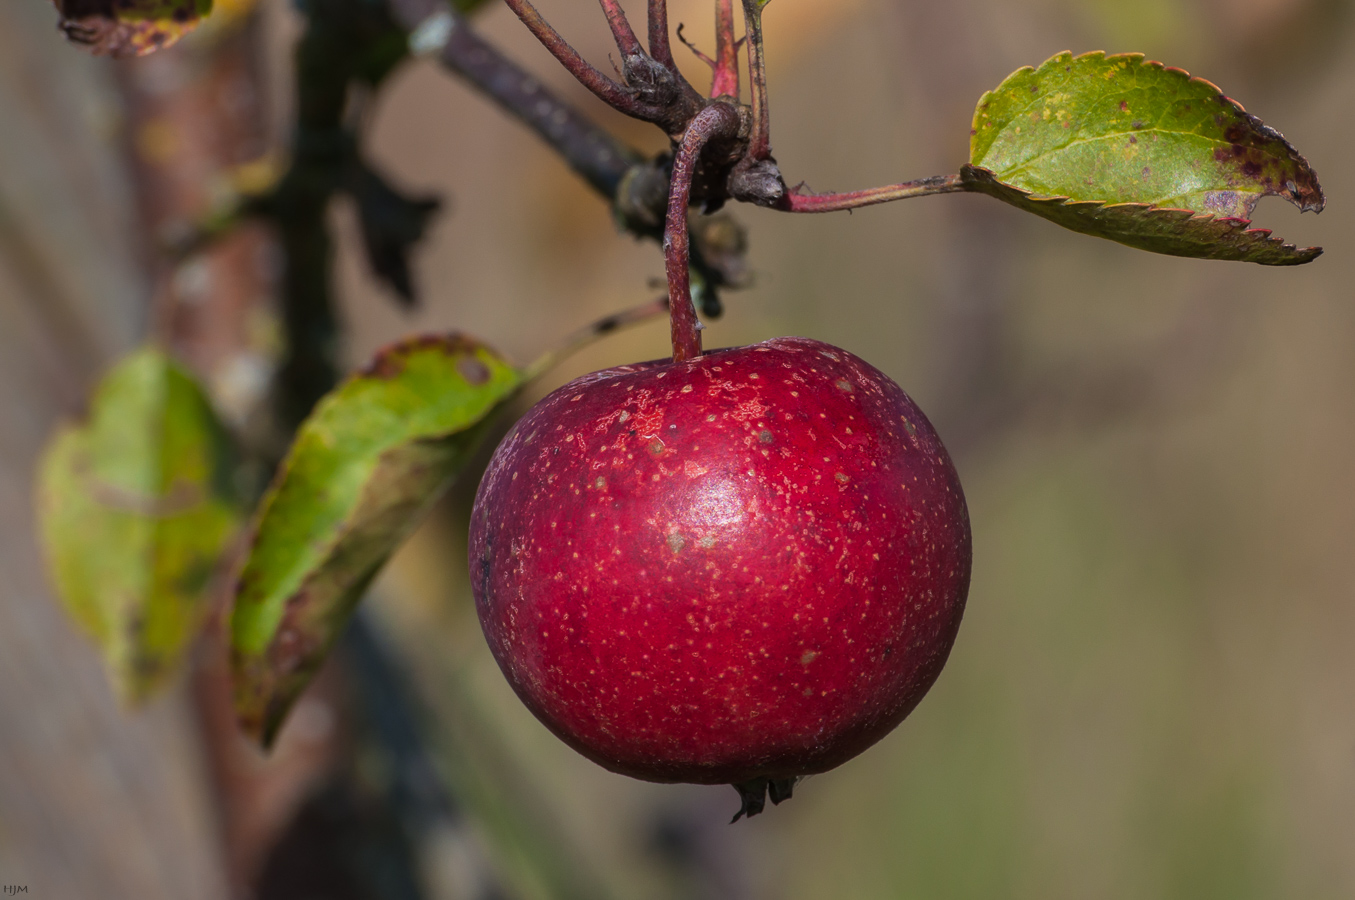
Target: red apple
[(741, 568)]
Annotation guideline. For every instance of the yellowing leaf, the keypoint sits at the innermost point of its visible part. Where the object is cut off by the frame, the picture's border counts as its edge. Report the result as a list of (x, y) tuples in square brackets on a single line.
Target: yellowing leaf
[(366, 465), (135, 511)]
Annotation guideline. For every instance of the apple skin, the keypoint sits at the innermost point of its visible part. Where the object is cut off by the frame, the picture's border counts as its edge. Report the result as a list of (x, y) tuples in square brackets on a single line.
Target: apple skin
[(749, 565)]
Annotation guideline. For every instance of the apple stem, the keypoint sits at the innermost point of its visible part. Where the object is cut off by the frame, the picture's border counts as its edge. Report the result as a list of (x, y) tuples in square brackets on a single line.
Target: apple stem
[(796, 201), (718, 120), (760, 141)]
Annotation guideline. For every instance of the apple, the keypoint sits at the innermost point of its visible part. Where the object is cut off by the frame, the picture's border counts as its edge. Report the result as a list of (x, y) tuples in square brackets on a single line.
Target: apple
[(740, 568)]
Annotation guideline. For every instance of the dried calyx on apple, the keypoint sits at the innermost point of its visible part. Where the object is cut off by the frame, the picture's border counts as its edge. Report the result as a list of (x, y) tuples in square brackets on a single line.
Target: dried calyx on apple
[(740, 566)]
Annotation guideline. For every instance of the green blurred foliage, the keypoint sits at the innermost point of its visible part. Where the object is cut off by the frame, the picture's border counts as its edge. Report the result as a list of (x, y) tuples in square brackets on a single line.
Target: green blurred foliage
[(136, 508)]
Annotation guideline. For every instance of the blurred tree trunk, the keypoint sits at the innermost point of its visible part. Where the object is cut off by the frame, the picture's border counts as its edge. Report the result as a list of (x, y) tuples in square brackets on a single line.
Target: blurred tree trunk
[(93, 802), (99, 163)]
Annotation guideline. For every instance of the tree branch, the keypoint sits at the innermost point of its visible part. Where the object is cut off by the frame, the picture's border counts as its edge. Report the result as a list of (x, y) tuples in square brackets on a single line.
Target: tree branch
[(614, 95), (659, 46), (595, 155), (622, 33), (637, 188)]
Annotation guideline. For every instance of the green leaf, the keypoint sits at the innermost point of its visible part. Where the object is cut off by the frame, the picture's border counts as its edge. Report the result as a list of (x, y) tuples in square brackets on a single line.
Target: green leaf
[(369, 461), (122, 28), (1117, 146), (1175, 232), (135, 510)]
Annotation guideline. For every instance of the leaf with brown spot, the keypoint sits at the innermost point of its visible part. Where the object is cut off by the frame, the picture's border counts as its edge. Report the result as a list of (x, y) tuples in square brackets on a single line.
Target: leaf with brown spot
[(365, 466), (1136, 152), (121, 28), (135, 510), (1174, 232)]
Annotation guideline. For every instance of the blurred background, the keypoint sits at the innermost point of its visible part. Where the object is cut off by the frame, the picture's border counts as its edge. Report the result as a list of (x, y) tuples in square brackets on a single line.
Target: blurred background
[(1151, 696)]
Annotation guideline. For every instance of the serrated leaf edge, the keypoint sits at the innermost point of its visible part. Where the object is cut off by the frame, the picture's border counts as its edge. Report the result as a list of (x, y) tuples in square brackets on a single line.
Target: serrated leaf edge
[(1301, 254)]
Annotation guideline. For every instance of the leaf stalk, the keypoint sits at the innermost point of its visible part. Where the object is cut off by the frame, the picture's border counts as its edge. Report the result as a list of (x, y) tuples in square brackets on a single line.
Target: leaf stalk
[(760, 141), (799, 202)]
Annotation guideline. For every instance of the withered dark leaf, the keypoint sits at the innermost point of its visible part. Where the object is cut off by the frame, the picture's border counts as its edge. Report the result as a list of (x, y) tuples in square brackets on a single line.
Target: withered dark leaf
[(122, 28), (391, 225)]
